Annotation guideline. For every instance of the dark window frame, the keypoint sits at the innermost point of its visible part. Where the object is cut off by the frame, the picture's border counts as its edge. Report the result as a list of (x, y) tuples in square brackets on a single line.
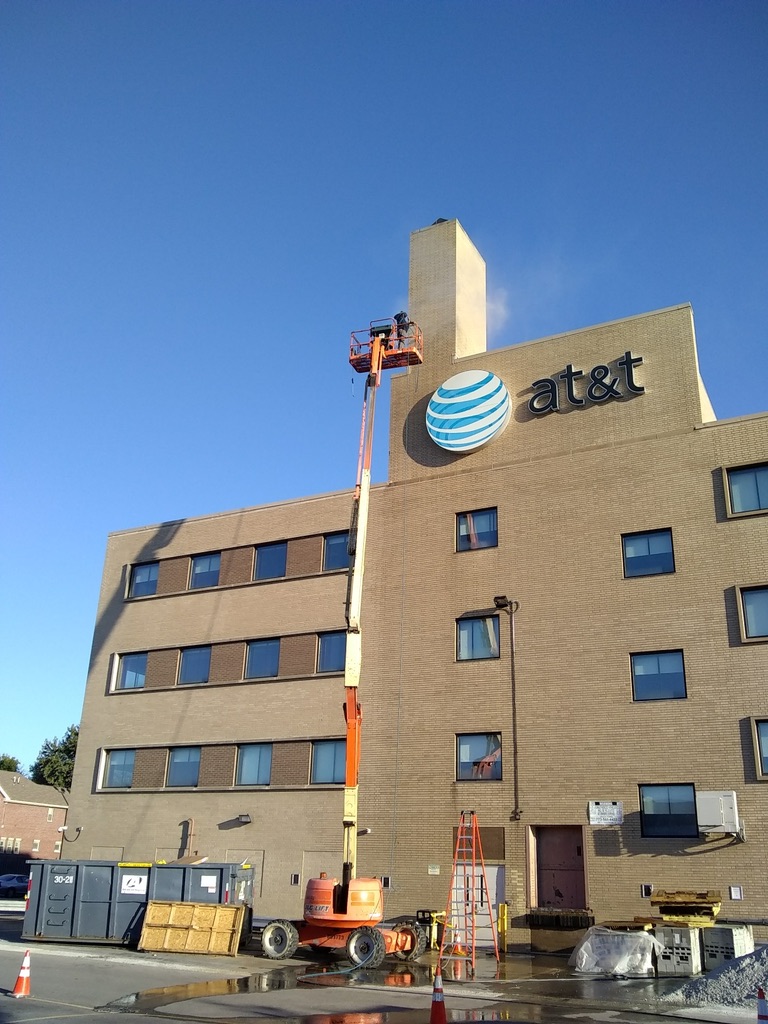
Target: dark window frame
[(262, 644), (192, 651), (267, 550), (338, 769), (241, 747), (760, 746), (760, 470), (331, 636), (108, 769), (657, 676), (467, 545), (482, 765), (332, 560), (123, 670), (467, 620), (144, 588), (651, 829), (171, 765), (634, 535), (744, 617), (206, 575)]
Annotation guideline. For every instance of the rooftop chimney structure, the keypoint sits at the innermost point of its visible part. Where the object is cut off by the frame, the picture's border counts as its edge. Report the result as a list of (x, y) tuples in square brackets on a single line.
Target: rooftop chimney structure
[(447, 291)]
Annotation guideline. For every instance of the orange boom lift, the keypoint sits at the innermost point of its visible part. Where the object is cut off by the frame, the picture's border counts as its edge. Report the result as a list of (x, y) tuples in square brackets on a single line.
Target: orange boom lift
[(347, 913)]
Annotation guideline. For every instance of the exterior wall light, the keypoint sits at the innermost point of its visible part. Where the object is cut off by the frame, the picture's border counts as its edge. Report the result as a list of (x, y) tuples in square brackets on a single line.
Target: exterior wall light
[(63, 830), (244, 819)]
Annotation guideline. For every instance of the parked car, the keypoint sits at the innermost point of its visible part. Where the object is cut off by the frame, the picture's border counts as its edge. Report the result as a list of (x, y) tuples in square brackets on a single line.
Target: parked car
[(13, 885)]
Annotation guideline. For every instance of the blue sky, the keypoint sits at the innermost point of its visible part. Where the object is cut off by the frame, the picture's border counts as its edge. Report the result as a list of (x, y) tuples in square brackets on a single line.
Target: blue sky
[(201, 199)]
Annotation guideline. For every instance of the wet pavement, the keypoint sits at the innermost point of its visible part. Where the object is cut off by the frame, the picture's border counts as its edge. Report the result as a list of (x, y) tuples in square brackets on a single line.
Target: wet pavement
[(518, 988), (249, 988)]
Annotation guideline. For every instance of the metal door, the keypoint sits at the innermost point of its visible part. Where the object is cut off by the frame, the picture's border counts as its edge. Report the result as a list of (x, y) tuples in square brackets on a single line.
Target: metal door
[(486, 903), (560, 867)]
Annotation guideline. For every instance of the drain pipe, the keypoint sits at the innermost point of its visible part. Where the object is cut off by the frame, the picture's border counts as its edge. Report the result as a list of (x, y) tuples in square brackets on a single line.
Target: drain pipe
[(511, 607)]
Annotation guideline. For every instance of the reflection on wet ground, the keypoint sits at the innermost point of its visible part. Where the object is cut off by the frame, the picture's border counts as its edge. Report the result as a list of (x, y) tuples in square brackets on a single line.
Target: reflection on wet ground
[(517, 988)]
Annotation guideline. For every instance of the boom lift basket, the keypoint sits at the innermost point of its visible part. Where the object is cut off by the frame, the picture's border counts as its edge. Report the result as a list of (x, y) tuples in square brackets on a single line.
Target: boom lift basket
[(403, 346)]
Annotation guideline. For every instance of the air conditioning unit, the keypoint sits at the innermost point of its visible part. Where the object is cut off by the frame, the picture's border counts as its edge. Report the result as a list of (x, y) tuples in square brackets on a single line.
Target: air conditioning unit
[(717, 811)]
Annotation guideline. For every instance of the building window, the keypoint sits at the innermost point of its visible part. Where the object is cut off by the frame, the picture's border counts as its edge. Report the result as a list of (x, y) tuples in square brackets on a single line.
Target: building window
[(760, 738), (271, 560), (478, 756), (477, 530), (17, 846), (658, 676), (119, 769), (263, 659), (144, 579), (336, 551), (648, 554), (2, 844), (195, 665), (133, 671), (57, 847), (668, 811), (748, 489), (254, 764), (328, 761), (205, 571), (50, 814), (331, 651), (754, 613), (35, 845), (183, 766), (477, 638)]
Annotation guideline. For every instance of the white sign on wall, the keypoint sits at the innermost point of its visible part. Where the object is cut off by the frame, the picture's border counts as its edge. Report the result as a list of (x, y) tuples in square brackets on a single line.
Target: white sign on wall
[(606, 812)]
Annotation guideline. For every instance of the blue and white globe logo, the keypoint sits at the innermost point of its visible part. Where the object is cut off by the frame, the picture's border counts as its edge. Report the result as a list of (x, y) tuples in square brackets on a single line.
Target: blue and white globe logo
[(468, 410)]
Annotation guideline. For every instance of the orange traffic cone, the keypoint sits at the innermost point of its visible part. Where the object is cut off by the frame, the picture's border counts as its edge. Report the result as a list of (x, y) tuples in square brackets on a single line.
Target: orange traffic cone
[(437, 1010), (21, 988), (762, 1006)]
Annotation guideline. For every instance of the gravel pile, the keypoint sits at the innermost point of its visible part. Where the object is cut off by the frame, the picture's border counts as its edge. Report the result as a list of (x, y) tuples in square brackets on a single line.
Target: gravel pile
[(733, 984)]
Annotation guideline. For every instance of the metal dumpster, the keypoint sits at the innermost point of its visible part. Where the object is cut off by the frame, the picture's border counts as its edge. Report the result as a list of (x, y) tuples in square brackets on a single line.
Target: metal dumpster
[(105, 901)]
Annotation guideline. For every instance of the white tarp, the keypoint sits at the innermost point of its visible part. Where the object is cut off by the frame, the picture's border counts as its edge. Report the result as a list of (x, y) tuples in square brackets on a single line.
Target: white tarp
[(604, 951)]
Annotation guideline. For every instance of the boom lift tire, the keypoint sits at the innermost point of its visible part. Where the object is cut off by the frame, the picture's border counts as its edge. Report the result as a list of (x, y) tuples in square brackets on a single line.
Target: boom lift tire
[(418, 940), (366, 946), (279, 940)]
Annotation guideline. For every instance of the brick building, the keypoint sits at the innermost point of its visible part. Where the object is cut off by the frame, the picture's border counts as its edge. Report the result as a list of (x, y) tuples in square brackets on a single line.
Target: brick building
[(30, 818), (565, 618)]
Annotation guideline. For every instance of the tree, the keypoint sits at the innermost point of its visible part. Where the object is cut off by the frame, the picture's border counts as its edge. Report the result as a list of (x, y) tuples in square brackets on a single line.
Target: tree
[(10, 764), (56, 760)]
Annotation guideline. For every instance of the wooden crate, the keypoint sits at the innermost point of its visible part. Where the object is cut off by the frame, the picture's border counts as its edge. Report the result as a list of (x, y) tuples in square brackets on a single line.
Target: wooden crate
[(192, 927)]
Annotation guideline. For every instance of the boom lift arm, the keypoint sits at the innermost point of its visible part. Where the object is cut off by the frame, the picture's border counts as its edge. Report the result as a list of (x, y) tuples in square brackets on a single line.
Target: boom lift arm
[(346, 913), (385, 344)]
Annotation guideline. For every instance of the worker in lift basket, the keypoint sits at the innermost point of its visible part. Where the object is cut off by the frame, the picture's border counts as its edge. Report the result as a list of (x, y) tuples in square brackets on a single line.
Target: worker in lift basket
[(403, 323)]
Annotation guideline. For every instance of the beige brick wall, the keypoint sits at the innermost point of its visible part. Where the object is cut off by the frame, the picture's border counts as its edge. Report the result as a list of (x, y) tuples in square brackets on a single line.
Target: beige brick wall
[(290, 764), (162, 668), (149, 768), (304, 556), (173, 575), (227, 662), (236, 566), (217, 765), (298, 655)]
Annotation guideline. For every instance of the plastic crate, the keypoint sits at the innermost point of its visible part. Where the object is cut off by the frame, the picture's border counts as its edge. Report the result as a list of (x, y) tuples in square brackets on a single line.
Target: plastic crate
[(725, 942), (681, 955)]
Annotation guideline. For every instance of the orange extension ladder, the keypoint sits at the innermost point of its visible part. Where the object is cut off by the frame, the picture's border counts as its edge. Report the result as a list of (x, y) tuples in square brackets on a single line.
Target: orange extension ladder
[(469, 908)]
